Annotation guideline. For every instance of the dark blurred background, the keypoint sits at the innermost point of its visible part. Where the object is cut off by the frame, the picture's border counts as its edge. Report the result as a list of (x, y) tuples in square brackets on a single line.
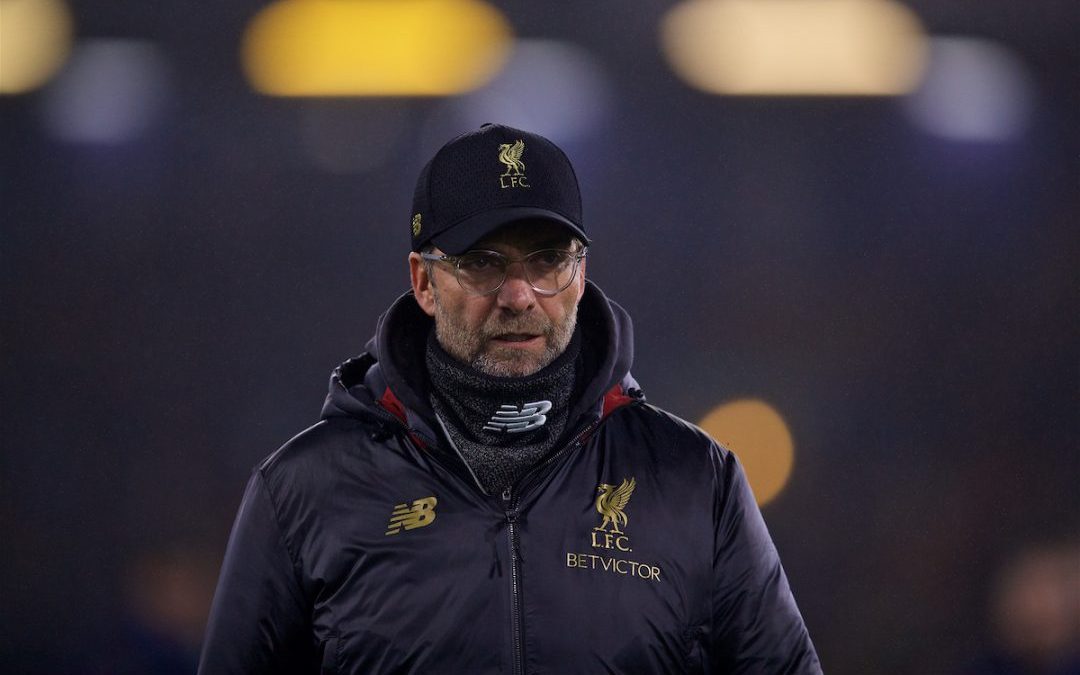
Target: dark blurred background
[(184, 259)]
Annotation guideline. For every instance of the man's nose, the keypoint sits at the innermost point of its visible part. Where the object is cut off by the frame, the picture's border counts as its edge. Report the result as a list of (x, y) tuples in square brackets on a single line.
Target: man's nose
[(516, 293)]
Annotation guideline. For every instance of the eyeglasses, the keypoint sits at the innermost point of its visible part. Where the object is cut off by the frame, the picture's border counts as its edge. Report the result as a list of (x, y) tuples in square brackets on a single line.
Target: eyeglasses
[(548, 271)]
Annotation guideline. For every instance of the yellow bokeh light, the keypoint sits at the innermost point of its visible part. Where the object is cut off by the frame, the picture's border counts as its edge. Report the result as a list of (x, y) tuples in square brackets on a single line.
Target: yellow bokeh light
[(796, 47), (760, 438), (374, 47), (35, 40)]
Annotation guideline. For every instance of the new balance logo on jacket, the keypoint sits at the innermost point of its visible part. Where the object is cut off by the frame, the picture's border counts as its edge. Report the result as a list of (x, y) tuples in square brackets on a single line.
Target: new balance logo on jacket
[(420, 514)]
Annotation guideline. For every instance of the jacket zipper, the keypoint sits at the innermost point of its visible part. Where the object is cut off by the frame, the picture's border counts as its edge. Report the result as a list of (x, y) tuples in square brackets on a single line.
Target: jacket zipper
[(510, 505), (515, 584)]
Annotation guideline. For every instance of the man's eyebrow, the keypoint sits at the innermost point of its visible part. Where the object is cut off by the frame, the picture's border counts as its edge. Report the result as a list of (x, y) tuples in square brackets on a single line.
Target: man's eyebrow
[(554, 241), (551, 242)]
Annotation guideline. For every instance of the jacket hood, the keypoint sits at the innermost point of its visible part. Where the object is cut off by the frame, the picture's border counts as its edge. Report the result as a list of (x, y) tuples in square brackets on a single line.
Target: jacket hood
[(390, 376)]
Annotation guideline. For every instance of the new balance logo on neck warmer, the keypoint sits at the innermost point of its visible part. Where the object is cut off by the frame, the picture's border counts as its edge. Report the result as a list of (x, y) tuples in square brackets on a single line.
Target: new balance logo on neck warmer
[(510, 420)]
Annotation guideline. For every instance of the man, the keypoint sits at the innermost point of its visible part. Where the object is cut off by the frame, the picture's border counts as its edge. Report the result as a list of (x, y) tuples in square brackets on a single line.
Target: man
[(487, 491)]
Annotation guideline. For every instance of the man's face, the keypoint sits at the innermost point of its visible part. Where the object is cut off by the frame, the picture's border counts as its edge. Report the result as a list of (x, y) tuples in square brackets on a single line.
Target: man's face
[(515, 331)]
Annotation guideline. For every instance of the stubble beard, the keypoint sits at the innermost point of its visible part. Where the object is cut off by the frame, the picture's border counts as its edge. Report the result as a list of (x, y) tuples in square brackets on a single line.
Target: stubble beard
[(474, 348)]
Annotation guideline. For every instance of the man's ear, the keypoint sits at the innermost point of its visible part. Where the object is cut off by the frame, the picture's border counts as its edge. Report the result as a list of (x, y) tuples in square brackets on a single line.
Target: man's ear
[(422, 285)]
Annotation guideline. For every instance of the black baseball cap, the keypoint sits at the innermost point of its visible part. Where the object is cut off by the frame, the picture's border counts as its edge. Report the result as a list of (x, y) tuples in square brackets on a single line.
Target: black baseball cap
[(492, 177)]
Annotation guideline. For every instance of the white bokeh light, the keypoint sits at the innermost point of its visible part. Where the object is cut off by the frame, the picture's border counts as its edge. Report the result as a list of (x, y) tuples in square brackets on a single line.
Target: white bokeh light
[(553, 88), (974, 90), (110, 92)]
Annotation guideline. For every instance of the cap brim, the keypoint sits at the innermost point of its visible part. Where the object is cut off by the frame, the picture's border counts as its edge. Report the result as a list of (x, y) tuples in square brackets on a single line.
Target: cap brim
[(461, 237)]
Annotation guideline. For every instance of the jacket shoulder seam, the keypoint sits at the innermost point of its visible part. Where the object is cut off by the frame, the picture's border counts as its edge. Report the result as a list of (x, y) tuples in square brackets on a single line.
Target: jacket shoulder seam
[(293, 559)]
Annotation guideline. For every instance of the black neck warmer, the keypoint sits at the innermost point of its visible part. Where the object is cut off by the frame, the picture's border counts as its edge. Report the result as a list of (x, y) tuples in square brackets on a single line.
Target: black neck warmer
[(502, 425)]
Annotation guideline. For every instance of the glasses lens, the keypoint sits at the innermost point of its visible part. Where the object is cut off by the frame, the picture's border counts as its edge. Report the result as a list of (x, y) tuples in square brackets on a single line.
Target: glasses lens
[(550, 270), (481, 271)]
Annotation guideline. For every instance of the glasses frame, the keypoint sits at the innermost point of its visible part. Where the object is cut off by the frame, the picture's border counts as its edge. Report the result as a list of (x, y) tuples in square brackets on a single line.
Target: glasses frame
[(454, 260)]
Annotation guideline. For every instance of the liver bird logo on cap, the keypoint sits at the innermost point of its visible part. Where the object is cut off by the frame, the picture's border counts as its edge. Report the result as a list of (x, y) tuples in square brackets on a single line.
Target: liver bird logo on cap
[(510, 155)]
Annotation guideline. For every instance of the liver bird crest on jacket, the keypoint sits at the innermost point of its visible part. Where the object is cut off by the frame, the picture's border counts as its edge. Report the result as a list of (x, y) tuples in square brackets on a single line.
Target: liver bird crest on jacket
[(612, 501), (510, 155)]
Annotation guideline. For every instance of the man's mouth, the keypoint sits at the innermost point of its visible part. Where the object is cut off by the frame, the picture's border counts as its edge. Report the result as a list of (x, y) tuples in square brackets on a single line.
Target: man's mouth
[(518, 338)]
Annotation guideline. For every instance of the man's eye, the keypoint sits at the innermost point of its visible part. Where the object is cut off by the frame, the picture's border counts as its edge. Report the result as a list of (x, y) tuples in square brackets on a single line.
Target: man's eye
[(549, 259), (478, 263)]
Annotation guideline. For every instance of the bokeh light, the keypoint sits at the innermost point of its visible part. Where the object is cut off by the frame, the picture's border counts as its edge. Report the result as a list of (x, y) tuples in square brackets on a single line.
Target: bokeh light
[(553, 87), (795, 47), (975, 90), (758, 435), (110, 92), (35, 40), (374, 47)]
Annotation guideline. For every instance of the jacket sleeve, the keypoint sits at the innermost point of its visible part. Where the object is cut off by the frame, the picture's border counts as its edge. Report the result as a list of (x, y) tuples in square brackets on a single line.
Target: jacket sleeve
[(259, 620), (756, 626)]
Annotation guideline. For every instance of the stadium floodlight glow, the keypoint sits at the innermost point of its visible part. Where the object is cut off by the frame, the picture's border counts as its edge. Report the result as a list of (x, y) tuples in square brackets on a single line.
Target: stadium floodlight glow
[(35, 40), (374, 47), (757, 433), (795, 47)]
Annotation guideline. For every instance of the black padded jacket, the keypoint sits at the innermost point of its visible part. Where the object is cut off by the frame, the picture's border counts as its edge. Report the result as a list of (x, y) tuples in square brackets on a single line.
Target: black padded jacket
[(365, 545)]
